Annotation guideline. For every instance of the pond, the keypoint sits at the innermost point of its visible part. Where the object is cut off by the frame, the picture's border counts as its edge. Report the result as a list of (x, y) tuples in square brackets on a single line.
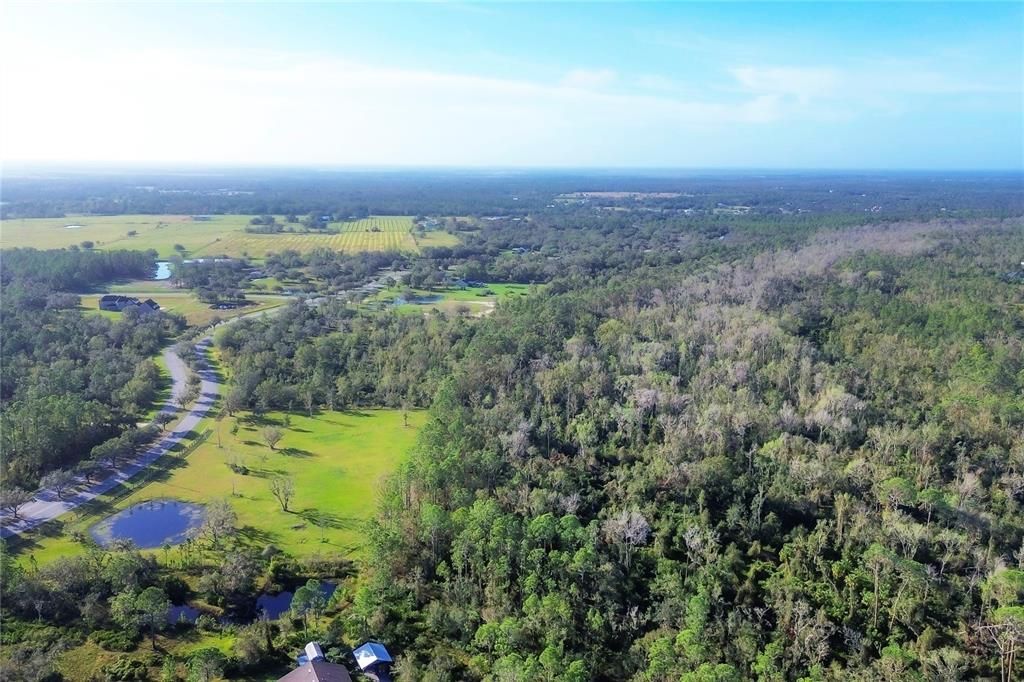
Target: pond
[(182, 612), (163, 270), (277, 604), (151, 524)]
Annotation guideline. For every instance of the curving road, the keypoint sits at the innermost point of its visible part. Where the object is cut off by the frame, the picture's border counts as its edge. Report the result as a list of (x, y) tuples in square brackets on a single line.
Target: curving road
[(47, 506)]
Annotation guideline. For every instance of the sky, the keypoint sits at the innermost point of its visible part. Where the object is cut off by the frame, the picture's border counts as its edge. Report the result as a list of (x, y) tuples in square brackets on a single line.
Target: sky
[(676, 85)]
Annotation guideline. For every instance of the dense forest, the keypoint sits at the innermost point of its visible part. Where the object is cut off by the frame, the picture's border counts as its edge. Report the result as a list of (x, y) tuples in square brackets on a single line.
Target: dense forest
[(806, 464), (31, 273), (70, 381), (48, 192), (707, 446), (803, 462)]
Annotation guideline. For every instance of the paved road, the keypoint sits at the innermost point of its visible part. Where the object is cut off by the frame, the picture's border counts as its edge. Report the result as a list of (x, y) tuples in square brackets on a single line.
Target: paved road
[(46, 506)]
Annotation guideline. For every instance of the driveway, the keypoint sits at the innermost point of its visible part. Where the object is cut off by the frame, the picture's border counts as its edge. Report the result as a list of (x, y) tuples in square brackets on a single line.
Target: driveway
[(47, 506)]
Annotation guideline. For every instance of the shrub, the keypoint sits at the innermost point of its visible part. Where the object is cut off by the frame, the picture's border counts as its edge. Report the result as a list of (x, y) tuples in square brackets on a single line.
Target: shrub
[(177, 589), (115, 640), (206, 622), (124, 669)]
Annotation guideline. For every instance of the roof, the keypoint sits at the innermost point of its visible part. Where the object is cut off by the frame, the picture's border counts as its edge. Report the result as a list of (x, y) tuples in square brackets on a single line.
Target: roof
[(370, 654), (318, 671)]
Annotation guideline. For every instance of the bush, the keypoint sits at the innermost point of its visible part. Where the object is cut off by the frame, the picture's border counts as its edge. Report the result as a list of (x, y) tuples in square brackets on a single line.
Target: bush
[(177, 589), (115, 640), (206, 622), (124, 669)]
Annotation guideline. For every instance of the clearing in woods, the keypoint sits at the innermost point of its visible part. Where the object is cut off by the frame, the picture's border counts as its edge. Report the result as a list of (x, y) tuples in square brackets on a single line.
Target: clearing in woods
[(195, 312), (211, 236), (337, 461)]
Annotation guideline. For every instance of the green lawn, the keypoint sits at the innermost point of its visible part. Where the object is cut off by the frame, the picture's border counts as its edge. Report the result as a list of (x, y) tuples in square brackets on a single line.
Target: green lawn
[(141, 286), (476, 300), (336, 459), (197, 313)]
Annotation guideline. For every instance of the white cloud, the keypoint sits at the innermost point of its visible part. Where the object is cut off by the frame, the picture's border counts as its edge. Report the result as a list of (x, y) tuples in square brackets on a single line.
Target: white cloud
[(262, 106), (177, 105), (588, 79), (800, 82)]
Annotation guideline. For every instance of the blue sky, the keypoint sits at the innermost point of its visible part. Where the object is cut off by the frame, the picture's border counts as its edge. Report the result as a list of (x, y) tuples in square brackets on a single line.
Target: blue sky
[(725, 85)]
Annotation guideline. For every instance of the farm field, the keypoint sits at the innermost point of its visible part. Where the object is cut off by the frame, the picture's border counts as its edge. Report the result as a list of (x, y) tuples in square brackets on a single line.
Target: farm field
[(336, 459), (384, 233), (220, 235), (197, 313)]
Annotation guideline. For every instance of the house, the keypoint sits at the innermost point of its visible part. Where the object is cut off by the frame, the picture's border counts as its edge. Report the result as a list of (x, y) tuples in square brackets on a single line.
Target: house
[(313, 667), (374, 660), (118, 303)]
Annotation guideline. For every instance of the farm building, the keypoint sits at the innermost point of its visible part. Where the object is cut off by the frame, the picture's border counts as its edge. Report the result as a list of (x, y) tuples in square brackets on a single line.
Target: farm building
[(118, 303)]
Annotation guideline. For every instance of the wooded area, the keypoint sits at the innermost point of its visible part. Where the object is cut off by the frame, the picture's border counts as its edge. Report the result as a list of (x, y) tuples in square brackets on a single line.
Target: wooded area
[(705, 447)]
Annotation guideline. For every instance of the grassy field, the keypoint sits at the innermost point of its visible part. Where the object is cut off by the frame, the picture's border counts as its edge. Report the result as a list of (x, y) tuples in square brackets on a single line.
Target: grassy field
[(475, 300), (197, 313), (217, 236), (160, 232), (435, 238), (336, 459)]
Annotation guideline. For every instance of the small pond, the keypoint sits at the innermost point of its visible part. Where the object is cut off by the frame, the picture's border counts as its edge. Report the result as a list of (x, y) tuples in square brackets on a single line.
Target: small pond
[(150, 524), (277, 604), (178, 613), (163, 270)]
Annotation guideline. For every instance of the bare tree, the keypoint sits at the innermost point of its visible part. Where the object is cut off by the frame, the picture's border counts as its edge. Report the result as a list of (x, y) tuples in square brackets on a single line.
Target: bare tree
[(272, 436), (282, 488), (1006, 636), (629, 528), (220, 522), (59, 481), (13, 499)]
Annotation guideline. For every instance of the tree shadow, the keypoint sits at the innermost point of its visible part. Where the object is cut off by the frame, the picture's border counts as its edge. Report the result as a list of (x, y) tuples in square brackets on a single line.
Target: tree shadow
[(260, 420), (255, 536), (266, 472), (296, 452), (326, 519)]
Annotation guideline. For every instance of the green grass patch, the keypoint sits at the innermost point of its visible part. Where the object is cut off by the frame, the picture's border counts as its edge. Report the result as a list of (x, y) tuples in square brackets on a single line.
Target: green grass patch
[(197, 313), (435, 238), (472, 300), (337, 461), (159, 232)]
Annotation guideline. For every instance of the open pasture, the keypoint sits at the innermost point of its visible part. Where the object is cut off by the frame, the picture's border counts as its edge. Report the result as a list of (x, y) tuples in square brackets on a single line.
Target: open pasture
[(337, 461), (219, 235), (196, 313), (159, 232), (477, 301)]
